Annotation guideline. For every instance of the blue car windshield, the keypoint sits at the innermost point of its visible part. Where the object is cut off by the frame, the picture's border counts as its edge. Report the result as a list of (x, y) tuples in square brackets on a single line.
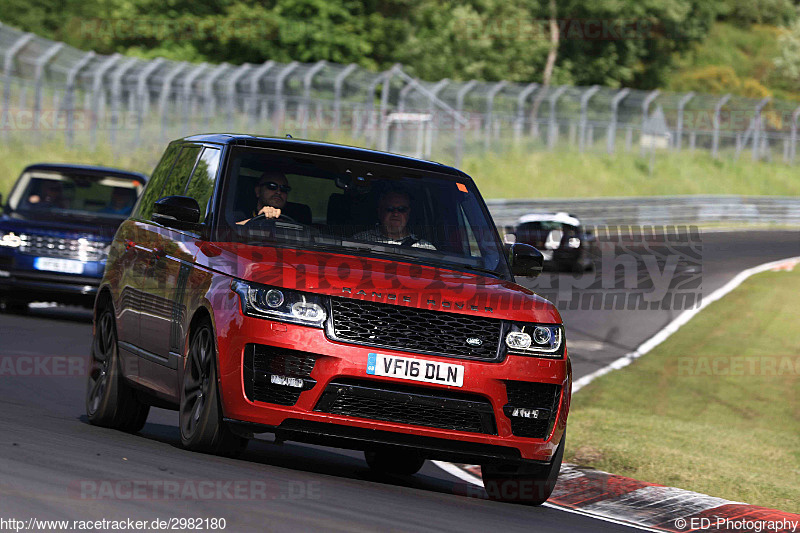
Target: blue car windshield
[(48, 191)]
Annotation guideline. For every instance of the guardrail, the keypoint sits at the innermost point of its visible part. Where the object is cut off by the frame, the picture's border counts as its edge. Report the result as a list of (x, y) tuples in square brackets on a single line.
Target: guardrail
[(658, 210)]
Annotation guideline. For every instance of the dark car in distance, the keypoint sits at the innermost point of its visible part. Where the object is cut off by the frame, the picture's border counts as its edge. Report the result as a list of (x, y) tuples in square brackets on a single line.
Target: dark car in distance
[(57, 224), (331, 295), (560, 237)]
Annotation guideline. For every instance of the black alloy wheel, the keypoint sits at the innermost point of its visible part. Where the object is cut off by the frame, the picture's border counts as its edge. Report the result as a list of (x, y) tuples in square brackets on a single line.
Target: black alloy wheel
[(200, 413), (110, 401)]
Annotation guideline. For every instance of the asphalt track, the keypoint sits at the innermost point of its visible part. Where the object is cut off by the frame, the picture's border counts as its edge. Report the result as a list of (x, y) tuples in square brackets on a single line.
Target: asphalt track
[(54, 465)]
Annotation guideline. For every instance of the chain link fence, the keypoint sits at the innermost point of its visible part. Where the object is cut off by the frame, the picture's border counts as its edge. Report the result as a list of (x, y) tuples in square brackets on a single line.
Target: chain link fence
[(51, 91)]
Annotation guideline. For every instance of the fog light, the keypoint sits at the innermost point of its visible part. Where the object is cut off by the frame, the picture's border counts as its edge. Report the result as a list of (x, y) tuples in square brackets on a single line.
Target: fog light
[(286, 381), (518, 340)]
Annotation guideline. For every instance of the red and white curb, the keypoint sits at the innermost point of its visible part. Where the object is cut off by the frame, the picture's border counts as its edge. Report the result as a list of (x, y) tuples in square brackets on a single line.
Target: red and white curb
[(649, 506)]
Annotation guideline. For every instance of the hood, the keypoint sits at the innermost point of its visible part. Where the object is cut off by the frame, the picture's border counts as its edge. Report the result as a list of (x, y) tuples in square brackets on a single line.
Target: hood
[(380, 280), (61, 226)]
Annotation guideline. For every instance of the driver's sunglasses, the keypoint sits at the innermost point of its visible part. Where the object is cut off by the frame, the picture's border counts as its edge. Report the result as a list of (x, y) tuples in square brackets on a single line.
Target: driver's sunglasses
[(271, 185), (403, 209)]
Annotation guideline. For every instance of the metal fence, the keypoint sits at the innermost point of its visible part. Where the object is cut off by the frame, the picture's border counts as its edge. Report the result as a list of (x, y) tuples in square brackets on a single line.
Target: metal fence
[(658, 211), (54, 91)]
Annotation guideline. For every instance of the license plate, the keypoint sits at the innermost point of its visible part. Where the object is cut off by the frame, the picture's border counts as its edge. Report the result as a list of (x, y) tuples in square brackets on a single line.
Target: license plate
[(415, 369), (58, 265)]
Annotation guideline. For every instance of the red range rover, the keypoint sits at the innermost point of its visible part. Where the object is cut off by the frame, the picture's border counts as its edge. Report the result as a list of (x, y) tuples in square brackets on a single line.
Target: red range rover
[(331, 295)]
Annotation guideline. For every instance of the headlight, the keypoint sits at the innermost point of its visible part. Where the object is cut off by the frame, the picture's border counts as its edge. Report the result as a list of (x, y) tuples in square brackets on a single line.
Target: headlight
[(10, 240), (574, 242), (280, 304), (541, 340)]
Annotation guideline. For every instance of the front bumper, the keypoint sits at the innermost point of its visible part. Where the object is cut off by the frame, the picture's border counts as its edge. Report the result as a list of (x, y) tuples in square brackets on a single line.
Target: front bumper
[(345, 363), (20, 280), (35, 286)]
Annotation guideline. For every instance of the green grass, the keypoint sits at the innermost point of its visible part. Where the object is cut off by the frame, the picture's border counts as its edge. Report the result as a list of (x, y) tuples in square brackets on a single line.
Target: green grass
[(511, 173), (695, 413), (519, 174)]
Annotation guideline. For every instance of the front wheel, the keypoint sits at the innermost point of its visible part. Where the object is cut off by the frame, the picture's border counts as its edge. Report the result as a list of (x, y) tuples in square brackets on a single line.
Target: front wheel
[(531, 484), (110, 402), (201, 424)]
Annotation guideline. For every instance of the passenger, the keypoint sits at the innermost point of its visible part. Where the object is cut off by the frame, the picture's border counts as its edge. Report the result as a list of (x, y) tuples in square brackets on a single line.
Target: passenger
[(394, 211), (272, 192), (122, 200)]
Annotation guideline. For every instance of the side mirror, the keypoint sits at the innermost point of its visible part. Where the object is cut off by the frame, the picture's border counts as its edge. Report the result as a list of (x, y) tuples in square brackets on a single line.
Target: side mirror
[(525, 260), (180, 212)]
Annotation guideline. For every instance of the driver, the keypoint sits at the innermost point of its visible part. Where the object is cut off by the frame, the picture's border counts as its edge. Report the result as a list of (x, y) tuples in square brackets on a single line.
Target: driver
[(52, 195), (272, 192)]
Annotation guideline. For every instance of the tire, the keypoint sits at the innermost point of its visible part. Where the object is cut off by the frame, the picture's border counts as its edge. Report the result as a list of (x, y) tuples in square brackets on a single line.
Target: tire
[(17, 307), (110, 401), (396, 462), (200, 414), (523, 483)]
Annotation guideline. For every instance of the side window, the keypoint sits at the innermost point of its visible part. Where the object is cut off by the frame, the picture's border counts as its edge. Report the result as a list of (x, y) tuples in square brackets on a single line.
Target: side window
[(201, 185), (176, 184), (152, 191)]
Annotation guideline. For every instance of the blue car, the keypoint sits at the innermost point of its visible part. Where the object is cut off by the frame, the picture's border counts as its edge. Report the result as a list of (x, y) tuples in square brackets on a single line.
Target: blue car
[(57, 224)]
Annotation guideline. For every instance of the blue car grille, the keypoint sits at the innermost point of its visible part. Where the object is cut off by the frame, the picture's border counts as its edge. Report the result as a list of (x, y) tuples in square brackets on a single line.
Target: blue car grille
[(43, 245)]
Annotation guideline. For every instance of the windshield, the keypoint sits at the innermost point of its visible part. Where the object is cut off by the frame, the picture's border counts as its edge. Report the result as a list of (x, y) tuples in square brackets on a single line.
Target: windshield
[(359, 207), (49, 191)]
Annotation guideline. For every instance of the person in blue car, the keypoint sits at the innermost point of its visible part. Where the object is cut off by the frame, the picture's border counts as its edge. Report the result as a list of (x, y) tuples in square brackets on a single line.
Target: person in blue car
[(51, 195), (122, 200)]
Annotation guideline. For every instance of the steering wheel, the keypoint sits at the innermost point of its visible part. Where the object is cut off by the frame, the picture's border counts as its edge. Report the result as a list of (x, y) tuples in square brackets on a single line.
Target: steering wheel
[(262, 220)]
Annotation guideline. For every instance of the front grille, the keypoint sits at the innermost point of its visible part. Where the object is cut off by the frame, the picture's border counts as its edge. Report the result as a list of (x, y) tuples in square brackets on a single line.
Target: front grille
[(414, 330), (417, 406), (262, 362), (525, 397), (43, 245)]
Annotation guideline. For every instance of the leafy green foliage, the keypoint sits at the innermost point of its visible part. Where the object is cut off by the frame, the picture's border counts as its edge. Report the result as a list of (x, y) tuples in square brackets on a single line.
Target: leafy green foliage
[(481, 39)]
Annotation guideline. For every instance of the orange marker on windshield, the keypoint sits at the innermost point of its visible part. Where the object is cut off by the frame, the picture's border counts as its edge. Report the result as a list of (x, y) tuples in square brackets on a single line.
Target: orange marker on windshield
[(461, 187)]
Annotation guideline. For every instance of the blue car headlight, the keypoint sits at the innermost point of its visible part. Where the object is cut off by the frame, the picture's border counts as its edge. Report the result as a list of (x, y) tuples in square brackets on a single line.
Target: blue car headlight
[(276, 303)]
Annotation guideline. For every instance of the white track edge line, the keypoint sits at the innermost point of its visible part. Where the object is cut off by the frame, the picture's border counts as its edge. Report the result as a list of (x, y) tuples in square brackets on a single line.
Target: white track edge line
[(475, 480), (627, 359), (679, 321)]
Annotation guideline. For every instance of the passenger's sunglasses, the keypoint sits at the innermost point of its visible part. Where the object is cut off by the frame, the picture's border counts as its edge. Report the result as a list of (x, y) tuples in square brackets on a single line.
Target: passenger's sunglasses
[(400, 209), (271, 185)]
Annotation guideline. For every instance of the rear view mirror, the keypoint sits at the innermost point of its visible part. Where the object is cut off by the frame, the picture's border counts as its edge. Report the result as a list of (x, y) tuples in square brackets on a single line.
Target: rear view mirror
[(525, 260), (180, 212)]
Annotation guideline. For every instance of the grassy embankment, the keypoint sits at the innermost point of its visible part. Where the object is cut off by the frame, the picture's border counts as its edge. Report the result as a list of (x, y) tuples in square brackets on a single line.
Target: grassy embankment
[(515, 174), (714, 409)]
